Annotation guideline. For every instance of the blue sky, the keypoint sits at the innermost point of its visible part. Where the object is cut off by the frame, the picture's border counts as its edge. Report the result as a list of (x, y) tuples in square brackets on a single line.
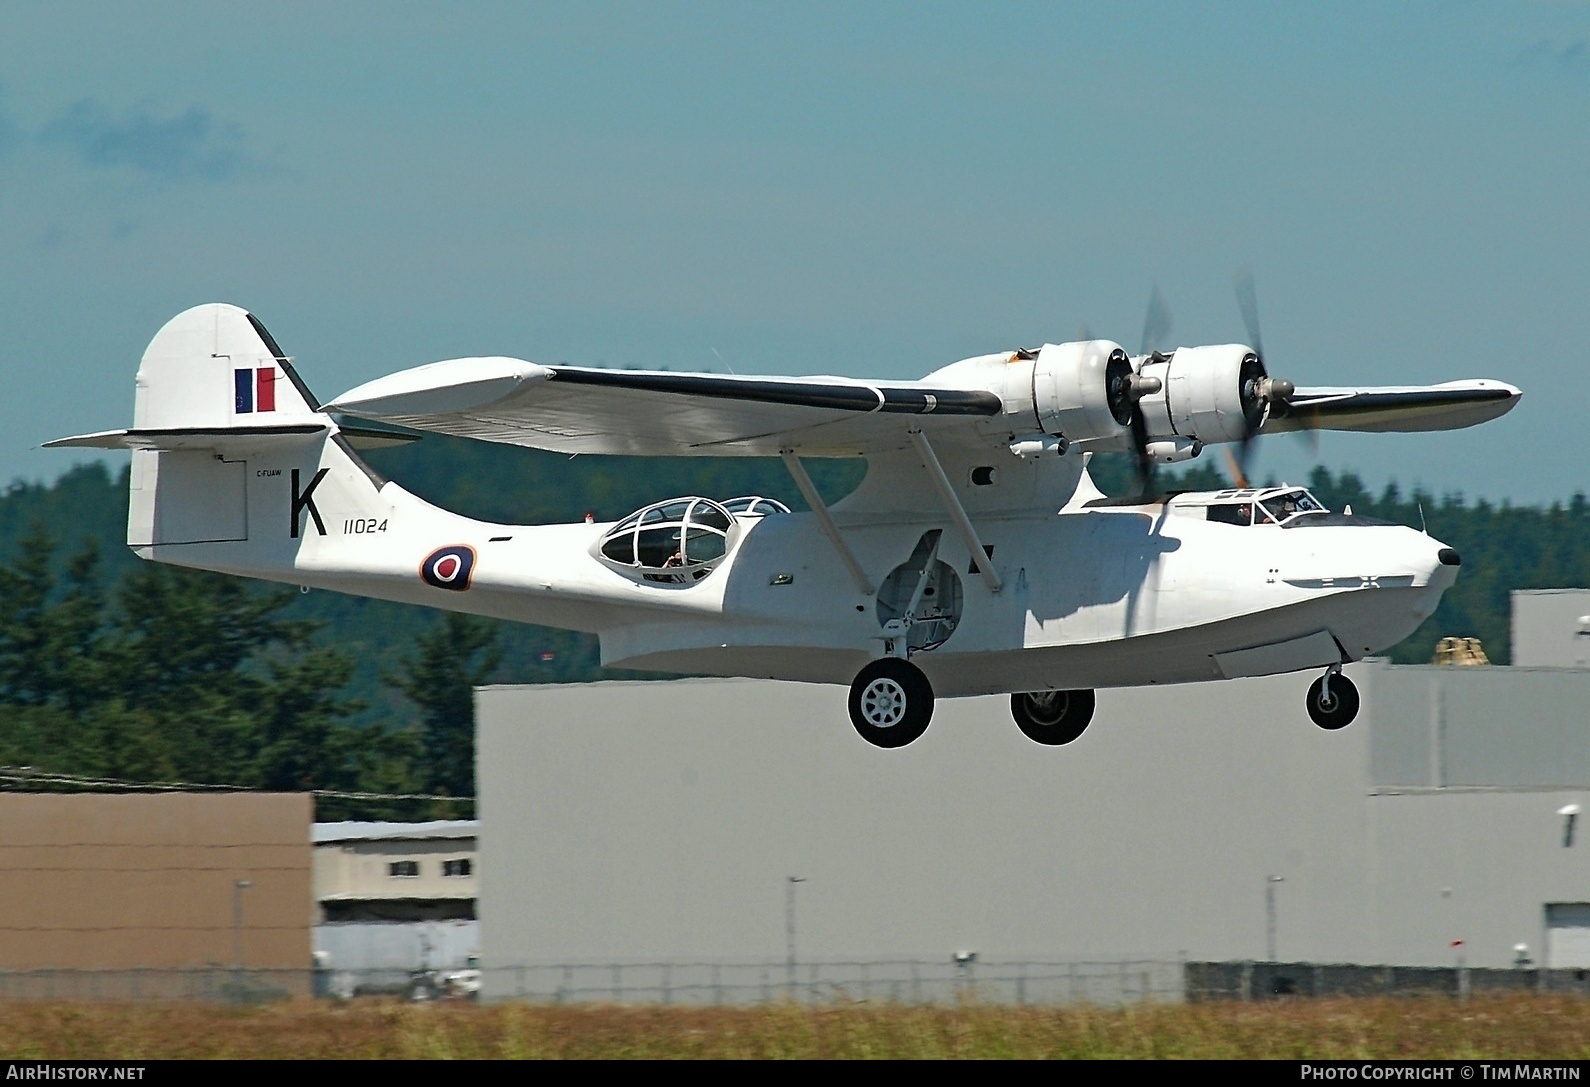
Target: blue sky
[(808, 188)]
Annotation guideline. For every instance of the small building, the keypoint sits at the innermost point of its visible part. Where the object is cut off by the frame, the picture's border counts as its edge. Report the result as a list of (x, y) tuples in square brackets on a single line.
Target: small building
[(394, 898), (1551, 628)]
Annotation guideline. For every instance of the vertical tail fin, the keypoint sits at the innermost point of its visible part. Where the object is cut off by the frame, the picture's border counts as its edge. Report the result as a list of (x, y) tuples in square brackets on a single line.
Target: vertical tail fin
[(235, 467), (216, 366), (210, 369)]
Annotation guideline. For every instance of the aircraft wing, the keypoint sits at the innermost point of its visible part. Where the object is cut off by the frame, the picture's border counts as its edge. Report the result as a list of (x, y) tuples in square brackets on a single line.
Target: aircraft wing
[(576, 409), (1449, 406)]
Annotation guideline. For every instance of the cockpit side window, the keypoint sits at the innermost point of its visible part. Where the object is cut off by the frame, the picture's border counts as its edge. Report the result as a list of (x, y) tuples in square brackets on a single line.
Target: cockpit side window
[(1240, 513), (1282, 508)]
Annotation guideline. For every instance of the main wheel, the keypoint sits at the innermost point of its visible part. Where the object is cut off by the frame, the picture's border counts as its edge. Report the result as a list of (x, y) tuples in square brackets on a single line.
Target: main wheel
[(1052, 717), (1339, 708), (891, 702)]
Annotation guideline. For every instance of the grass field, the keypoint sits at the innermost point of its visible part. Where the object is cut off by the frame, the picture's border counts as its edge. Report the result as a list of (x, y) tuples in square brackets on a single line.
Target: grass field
[(1491, 1027)]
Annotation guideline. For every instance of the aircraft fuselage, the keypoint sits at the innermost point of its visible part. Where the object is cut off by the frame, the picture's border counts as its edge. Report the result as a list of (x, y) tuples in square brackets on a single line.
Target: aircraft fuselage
[(1090, 595)]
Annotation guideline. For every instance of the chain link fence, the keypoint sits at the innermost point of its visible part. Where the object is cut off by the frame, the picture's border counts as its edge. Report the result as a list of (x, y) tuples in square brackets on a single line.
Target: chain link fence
[(969, 981), (210, 984), (699, 983), (1280, 980), (904, 981)]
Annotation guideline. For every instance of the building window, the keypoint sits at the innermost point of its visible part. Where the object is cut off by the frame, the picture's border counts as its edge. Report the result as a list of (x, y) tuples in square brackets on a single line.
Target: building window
[(461, 867), (402, 869)]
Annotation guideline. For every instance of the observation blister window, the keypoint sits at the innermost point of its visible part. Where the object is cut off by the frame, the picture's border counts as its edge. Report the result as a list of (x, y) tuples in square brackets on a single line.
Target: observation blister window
[(754, 506), (677, 542)]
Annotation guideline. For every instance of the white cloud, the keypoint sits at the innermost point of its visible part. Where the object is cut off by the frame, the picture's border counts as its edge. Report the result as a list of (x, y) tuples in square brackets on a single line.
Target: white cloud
[(189, 146)]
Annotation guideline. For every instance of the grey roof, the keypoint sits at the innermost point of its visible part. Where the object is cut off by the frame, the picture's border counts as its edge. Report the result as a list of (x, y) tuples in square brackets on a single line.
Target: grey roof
[(350, 830)]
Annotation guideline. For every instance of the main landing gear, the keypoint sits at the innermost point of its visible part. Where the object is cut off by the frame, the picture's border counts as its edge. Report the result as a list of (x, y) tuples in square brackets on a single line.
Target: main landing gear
[(1333, 700), (891, 702), (1052, 717)]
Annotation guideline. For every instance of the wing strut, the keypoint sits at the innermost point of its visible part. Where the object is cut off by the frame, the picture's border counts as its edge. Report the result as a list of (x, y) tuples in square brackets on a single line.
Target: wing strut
[(957, 512), (808, 490)]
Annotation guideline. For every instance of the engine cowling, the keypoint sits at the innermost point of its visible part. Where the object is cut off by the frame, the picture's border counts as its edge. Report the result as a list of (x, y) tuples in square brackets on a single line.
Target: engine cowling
[(1082, 390), (1207, 394)]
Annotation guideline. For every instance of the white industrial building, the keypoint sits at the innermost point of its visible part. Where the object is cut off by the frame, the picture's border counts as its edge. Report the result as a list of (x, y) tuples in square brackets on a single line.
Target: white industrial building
[(661, 822)]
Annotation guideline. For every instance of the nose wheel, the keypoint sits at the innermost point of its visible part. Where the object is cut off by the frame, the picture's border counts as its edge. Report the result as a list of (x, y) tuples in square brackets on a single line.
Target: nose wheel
[(1052, 717), (1333, 701), (891, 702)]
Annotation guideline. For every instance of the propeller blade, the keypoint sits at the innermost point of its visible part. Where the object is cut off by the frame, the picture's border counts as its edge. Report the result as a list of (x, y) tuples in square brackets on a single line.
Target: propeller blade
[(1156, 323), (1248, 303), (1272, 393), (1145, 463), (1238, 476), (1310, 440), (1239, 463)]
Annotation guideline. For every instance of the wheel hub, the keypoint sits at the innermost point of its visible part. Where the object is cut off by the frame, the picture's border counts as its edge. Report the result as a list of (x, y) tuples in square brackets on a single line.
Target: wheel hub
[(883, 703)]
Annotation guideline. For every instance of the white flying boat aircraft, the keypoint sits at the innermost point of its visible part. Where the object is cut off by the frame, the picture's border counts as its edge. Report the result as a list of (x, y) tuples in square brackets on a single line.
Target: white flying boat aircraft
[(976, 557)]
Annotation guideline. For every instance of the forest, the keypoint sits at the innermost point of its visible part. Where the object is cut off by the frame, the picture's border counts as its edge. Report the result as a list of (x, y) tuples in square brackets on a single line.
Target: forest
[(118, 669)]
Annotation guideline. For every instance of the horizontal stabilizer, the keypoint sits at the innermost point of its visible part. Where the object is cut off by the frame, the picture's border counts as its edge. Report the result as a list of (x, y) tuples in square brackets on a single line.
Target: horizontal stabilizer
[(233, 437)]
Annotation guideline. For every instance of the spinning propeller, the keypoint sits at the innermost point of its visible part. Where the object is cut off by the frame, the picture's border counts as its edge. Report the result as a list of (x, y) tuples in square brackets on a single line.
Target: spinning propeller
[(1259, 393), (1157, 324)]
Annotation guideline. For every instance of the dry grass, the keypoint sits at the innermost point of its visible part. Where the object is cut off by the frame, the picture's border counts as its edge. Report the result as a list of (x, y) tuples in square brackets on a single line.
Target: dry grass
[(1488, 1027)]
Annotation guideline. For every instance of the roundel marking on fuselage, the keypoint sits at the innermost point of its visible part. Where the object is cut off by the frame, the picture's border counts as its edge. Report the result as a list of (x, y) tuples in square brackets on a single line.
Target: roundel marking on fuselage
[(449, 567)]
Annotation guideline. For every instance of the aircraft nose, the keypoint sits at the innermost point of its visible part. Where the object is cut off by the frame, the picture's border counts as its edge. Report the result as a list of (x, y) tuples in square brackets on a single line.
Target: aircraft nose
[(1440, 561)]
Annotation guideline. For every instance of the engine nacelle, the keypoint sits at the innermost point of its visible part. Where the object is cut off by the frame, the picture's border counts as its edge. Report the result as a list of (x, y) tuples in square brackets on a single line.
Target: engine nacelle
[(1082, 390), (1207, 394)]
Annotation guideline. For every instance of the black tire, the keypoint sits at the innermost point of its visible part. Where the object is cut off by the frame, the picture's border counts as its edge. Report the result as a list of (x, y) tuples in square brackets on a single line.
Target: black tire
[(1052, 718), (1342, 707), (891, 702)]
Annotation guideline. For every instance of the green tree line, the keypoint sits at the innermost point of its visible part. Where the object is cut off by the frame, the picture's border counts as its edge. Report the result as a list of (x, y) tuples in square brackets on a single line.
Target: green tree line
[(173, 675)]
